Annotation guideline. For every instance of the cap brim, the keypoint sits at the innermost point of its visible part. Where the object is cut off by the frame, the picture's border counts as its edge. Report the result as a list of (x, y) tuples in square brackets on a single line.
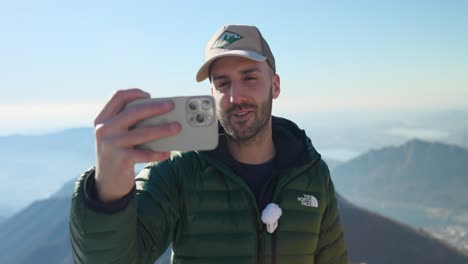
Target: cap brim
[(202, 73)]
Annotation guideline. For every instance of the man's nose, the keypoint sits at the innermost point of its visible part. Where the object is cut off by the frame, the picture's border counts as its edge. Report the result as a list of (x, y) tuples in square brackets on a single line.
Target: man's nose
[(237, 94)]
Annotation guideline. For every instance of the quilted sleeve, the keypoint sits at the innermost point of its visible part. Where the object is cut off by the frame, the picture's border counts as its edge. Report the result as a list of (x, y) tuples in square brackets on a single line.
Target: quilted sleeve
[(331, 245), (135, 231)]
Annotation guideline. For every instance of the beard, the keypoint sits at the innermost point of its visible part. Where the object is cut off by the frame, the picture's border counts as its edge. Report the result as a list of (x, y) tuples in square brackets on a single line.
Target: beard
[(248, 129)]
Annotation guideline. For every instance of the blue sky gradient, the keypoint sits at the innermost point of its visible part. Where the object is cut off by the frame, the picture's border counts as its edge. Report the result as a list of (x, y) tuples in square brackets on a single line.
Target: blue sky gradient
[(331, 55)]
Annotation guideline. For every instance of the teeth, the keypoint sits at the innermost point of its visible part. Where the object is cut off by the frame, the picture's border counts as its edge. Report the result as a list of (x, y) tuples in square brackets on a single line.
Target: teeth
[(241, 114)]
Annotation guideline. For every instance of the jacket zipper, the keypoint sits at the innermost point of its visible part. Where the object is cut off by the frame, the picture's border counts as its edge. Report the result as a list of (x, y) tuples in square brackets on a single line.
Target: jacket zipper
[(276, 194), (259, 244), (255, 214), (260, 229)]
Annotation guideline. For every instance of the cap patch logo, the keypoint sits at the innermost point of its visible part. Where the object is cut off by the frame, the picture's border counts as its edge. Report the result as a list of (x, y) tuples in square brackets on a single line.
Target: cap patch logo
[(226, 39)]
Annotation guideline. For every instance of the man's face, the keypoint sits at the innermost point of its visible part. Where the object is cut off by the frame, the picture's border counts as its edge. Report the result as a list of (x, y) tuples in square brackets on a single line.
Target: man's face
[(243, 90)]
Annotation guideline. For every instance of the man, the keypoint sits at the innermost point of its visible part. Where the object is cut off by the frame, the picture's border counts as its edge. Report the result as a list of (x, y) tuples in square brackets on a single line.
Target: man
[(209, 204)]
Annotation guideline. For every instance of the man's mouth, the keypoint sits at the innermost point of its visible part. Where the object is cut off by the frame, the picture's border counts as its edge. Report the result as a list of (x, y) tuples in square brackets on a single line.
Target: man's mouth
[(241, 113)]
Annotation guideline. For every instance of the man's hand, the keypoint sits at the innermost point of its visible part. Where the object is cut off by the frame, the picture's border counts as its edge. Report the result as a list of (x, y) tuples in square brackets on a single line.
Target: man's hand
[(115, 152)]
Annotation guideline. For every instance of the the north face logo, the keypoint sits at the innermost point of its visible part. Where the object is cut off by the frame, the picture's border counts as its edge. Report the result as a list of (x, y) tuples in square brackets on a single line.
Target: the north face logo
[(308, 200), (226, 39)]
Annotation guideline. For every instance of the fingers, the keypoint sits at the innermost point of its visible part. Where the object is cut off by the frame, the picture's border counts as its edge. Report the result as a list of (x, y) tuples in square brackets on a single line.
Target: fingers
[(117, 102), (146, 134), (134, 113), (115, 152)]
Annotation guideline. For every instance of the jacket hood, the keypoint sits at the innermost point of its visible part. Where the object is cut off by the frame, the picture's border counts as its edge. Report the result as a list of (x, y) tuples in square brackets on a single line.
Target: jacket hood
[(293, 147)]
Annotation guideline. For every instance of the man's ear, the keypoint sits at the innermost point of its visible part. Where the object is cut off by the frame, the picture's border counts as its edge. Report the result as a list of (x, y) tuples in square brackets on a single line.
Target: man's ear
[(275, 85)]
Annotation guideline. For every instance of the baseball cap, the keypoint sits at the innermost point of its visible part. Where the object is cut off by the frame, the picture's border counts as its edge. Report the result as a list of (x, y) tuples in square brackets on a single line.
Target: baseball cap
[(236, 40)]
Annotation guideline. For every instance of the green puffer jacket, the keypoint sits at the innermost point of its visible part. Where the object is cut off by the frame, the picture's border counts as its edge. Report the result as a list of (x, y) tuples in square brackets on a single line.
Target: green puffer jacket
[(198, 203)]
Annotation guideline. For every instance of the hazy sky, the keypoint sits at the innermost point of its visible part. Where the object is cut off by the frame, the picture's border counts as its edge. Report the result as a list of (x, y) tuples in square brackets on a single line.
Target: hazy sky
[(60, 60)]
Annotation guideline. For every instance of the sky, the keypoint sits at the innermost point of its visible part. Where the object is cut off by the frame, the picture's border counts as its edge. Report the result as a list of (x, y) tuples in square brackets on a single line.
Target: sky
[(60, 61)]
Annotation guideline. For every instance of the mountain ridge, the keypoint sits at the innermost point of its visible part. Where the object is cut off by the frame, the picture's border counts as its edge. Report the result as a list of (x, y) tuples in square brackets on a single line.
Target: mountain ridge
[(384, 236), (38, 165), (420, 183), (415, 162)]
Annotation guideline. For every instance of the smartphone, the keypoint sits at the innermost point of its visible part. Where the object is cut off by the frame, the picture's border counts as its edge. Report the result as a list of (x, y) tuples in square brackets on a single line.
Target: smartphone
[(197, 117)]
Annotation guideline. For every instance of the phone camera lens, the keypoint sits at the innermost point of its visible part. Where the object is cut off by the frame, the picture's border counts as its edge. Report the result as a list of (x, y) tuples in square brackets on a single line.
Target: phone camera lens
[(193, 105), (200, 118), (206, 104)]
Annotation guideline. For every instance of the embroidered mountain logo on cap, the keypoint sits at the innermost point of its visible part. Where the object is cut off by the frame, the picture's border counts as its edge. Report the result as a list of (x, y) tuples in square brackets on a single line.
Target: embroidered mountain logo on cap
[(226, 39), (308, 200)]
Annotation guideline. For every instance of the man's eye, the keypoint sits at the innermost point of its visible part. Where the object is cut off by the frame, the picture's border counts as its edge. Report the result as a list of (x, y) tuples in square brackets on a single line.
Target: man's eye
[(222, 85), (250, 78)]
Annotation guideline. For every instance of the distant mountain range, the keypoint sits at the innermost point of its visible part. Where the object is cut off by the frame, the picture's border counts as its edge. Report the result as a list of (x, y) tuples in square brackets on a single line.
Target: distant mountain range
[(37, 234), (360, 131), (420, 183), (418, 172), (34, 167)]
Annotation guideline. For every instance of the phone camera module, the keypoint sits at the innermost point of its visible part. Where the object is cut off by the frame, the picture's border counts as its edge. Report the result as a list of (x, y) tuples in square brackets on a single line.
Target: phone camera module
[(200, 111), (193, 105), (200, 118), (206, 105)]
